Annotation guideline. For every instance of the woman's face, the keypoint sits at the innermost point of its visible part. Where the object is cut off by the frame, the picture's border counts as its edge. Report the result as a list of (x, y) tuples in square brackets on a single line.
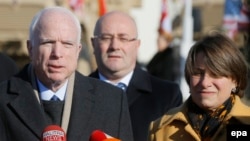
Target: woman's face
[(207, 90)]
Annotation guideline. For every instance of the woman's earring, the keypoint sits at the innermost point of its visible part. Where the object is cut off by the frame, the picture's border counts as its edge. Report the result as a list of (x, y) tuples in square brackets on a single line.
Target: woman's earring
[(234, 90)]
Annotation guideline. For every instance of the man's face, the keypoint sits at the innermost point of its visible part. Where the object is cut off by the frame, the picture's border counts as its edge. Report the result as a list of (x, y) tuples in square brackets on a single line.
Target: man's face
[(55, 51), (116, 45)]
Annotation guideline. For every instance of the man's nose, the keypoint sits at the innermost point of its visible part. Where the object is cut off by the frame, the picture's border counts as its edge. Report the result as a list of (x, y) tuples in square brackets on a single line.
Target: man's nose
[(115, 43), (57, 49)]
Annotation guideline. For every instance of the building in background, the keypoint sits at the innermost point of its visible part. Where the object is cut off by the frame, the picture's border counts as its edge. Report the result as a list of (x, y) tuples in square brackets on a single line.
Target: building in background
[(16, 15)]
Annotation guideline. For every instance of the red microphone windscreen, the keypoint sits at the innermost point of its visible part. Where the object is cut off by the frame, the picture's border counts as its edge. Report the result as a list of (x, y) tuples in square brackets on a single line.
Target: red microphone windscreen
[(53, 133), (111, 139), (97, 135)]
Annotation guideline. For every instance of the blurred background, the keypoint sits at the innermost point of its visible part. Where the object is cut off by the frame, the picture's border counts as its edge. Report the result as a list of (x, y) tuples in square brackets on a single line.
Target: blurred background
[(185, 21)]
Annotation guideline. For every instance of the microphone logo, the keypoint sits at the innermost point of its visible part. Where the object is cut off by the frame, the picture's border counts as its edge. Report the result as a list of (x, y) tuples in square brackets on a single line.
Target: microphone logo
[(53, 133)]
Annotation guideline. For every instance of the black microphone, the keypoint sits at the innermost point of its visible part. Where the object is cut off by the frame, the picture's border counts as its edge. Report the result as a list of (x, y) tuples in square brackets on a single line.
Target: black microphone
[(53, 133)]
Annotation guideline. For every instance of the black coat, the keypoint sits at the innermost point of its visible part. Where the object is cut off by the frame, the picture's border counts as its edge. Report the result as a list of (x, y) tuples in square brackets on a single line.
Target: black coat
[(165, 64), (7, 67), (95, 105), (148, 99)]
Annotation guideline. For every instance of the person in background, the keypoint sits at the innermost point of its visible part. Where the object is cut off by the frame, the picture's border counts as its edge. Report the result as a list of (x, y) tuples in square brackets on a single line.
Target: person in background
[(165, 63), (216, 72), (8, 67), (50, 91), (116, 45)]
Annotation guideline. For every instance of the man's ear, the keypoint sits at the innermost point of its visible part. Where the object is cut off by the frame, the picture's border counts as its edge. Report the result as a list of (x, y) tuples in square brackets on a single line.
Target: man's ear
[(80, 47), (92, 42), (29, 48), (138, 43)]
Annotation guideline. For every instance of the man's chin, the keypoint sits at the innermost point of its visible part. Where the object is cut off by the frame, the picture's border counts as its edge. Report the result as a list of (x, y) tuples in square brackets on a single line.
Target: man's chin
[(57, 79), (114, 67)]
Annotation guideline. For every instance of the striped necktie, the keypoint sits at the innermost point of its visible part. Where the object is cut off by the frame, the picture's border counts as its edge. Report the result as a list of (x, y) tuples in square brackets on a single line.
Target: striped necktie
[(55, 98), (122, 86)]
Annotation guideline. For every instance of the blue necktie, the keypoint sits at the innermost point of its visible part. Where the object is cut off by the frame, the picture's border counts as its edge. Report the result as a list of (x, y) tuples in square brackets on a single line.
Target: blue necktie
[(122, 86), (55, 98)]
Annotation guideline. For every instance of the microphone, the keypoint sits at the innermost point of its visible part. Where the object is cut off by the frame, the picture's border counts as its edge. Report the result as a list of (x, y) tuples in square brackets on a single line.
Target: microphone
[(53, 133), (98, 135)]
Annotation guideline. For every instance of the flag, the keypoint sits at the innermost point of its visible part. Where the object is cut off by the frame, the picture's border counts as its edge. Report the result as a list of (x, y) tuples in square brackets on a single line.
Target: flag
[(244, 18), (102, 7), (165, 27), (232, 10)]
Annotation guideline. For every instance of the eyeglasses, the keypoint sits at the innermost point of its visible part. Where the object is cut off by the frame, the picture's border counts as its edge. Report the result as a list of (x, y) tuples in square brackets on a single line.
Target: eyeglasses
[(107, 39)]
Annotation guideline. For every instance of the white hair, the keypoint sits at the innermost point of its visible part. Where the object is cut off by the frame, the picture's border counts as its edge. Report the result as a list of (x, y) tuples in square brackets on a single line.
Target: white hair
[(37, 17)]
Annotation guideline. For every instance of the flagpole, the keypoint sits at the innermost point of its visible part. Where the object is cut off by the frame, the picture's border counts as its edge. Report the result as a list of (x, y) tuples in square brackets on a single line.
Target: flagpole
[(187, 41)]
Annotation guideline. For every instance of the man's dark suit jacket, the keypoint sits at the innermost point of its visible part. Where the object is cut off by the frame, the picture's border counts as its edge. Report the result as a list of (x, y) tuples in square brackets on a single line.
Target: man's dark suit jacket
[(96, 105), (8, 67), (148, 99)]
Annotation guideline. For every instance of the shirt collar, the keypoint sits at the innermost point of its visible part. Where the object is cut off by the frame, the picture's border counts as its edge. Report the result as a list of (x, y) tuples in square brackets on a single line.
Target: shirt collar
[(47, 94), (125, 79)]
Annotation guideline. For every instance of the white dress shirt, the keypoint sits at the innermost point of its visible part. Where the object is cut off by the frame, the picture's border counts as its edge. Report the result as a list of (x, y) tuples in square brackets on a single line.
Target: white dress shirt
[(47, 94), (125, 79)]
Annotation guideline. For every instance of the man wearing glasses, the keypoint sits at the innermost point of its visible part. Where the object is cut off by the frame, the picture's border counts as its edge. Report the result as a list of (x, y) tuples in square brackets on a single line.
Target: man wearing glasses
[(116, 45)]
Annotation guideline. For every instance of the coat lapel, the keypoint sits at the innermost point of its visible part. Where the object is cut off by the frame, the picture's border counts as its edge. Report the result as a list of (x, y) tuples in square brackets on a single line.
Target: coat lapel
[(27, 107), (82, 106), (139, 84)]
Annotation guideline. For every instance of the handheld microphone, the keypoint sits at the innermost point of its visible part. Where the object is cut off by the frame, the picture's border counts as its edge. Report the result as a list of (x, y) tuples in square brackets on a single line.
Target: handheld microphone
[(53, 133), (98, 135)]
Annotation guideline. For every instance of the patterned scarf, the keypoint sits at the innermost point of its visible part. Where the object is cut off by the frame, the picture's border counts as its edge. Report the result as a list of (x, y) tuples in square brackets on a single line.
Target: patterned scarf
[(204, 123)]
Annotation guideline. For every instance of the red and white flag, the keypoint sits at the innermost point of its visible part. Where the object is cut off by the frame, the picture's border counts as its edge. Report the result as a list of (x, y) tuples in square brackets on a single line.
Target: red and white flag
[(76, 5), (236, 17), (165, 26), (244, 18)]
